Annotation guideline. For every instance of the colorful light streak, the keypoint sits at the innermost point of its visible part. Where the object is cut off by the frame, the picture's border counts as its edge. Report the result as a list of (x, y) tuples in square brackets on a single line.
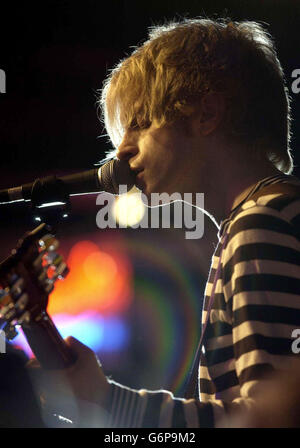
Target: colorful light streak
[(98, 333), (177, 305)]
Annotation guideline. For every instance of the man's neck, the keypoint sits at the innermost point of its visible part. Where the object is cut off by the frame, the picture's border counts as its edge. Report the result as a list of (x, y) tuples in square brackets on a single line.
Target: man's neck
[(245, 193), (235, 187)]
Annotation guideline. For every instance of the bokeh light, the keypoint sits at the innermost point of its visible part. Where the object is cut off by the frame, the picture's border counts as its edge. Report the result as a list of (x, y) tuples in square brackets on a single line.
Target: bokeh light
[(98, 333), (89, 303), (97, 280), (128, 209)]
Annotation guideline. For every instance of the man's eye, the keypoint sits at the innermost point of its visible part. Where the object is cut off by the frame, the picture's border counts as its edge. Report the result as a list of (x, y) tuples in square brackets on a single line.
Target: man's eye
[(139, 125), (133, 125), (144, 125)]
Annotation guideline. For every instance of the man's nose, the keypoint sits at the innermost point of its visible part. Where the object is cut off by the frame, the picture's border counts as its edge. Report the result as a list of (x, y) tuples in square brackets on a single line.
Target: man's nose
[(128, 148)]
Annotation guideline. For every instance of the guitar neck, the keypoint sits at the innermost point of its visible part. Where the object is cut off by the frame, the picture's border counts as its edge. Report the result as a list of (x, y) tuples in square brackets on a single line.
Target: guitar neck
[(47, 344)]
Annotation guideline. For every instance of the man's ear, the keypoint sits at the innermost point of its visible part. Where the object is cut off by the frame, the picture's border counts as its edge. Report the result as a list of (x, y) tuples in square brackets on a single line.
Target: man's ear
[(210, 113)]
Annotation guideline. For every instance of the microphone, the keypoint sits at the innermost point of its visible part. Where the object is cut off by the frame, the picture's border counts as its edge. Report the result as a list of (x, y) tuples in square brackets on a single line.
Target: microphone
[(106, 178)]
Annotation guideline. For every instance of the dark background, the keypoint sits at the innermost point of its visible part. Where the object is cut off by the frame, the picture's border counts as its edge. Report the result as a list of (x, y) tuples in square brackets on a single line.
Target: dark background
[(56, 55)]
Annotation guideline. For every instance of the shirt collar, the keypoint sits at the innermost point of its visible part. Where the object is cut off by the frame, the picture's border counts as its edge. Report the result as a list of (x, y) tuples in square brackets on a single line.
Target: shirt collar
[(245, 195)]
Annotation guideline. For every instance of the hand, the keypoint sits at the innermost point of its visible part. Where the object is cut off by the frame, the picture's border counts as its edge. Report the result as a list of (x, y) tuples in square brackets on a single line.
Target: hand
[(79, 393)]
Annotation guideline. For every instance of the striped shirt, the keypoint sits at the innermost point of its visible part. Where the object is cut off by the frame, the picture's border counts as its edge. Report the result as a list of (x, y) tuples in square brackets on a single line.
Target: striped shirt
[(256, 307)]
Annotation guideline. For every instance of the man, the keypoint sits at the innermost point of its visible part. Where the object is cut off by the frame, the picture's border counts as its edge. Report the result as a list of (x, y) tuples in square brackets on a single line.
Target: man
[(202, 107)]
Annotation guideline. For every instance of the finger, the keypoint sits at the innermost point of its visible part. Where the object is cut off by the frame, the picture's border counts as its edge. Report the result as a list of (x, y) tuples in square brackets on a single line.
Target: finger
[(85, 356), (78, 347)]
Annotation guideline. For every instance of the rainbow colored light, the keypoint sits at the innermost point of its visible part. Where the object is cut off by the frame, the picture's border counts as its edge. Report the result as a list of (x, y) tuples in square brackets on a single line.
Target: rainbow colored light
[(95, 302), (88, 304)]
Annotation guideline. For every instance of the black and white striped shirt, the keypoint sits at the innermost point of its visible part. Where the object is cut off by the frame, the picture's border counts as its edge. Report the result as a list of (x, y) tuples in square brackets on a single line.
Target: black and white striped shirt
[(255, 309)]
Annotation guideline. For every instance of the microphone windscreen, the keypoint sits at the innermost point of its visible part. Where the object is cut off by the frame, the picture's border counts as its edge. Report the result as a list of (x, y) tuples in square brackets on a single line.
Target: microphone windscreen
[(114, 173)]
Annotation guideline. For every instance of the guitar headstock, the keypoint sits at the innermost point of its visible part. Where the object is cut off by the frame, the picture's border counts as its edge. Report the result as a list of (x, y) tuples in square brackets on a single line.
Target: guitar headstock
[(27, 277)]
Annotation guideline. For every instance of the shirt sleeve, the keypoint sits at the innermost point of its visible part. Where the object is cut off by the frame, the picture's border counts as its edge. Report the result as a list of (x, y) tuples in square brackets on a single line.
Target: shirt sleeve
[(155, 409), (261, 284)]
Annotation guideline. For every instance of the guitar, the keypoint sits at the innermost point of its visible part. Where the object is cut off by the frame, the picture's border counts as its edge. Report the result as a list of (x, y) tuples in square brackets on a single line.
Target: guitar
[(27, 277)]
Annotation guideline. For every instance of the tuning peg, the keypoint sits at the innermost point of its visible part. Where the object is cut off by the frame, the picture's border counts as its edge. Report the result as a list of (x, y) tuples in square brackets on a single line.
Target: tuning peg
[(44, 259), (62, 270), (22, 302), (48, 242), (52, 258), (5, 304), (9, 323), (10, 331), (41, 259), (58, 272), (17, 288), (25, 318), (8, 312), (5, 297)]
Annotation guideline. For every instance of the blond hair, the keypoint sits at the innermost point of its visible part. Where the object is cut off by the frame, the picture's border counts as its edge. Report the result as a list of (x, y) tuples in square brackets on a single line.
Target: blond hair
[(181, 61)]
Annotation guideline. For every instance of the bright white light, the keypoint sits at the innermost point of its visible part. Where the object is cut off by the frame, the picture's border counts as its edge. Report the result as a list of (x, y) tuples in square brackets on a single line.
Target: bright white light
[(128, 209), (50, 204)]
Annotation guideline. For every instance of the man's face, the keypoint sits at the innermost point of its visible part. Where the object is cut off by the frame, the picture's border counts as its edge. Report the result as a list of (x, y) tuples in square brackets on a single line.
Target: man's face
[(165, 159)]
